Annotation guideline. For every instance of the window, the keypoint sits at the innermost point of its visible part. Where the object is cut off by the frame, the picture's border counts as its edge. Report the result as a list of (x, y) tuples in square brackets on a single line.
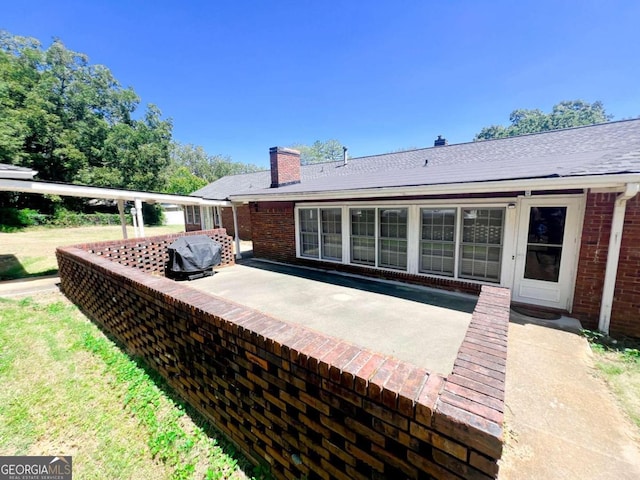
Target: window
[(391, 237), (309, 232), (363, 236), (437, 241), (193, 214), (331, 233), (481, 243), (447, 241), (321, 233), (392, 242)]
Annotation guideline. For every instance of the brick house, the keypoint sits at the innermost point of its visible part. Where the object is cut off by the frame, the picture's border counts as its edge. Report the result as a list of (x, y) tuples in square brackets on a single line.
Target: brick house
[(554, 216)]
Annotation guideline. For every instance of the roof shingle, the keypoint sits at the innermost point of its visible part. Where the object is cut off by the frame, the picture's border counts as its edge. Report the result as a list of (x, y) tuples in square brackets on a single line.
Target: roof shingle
[(602, 149)]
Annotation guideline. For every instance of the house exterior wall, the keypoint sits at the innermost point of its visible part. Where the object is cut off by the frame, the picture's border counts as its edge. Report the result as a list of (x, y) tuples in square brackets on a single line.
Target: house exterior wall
[(274, 238), (592, 264), (244, 221), (273, 224)]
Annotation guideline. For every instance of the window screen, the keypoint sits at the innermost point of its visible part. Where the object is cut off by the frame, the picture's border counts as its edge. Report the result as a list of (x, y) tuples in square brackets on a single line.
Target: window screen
[(481, 243), (437, 241)]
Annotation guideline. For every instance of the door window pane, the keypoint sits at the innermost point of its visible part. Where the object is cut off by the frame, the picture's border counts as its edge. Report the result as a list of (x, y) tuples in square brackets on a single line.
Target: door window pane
[(544, 243), (331, 233), (363, 228), (393, 238), (437, 241), (481, 245)]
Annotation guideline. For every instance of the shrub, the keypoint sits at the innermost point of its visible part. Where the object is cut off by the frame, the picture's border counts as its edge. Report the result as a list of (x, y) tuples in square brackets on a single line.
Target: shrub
[(12, 219)]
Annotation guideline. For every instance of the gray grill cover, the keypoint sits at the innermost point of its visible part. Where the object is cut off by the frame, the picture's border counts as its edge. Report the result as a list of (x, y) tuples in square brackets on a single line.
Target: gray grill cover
[(193, 254)]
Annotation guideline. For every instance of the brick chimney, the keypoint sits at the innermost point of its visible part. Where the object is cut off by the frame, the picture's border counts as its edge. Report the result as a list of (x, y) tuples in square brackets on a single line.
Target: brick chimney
[(285, 166), (440, 142)]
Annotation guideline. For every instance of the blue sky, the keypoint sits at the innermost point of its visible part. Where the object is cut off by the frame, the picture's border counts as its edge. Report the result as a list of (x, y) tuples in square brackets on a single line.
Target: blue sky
[(238, 77)]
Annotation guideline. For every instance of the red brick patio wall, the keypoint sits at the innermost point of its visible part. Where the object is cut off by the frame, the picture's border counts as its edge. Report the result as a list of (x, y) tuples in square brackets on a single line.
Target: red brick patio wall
[(150, 253), (594, 247), (308, 404)]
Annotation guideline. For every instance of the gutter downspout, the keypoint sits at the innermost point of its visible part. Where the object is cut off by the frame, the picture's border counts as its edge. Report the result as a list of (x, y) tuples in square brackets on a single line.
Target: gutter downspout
[(235, 230), (613, 255)]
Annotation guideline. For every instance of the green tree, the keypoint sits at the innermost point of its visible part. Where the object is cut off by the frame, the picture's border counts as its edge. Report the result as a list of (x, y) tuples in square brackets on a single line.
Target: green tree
[(568, 113), (73, 122), (320, 151), (182, 182), (208, 167)]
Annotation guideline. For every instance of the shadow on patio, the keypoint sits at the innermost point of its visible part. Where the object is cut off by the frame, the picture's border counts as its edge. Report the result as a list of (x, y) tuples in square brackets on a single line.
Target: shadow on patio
[(415, 324)]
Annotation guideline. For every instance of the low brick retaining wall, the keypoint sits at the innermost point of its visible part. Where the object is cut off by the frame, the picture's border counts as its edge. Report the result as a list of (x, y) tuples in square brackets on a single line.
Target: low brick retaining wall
[(308, 404), (150, 253)]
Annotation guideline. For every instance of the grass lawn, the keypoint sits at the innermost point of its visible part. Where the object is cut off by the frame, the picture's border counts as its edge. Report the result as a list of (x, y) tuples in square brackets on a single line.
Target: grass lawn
[(618, 362), (31, 252), (67, 389)]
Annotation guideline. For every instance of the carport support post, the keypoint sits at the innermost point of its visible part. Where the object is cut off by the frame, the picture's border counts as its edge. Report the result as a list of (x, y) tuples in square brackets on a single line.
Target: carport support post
[(219, 214), (123, 221), (138, 204), (235, 231)]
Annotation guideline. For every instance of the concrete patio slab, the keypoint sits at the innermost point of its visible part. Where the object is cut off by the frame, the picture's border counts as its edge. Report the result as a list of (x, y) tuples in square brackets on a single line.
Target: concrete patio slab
[(561, 421), (415, 324)]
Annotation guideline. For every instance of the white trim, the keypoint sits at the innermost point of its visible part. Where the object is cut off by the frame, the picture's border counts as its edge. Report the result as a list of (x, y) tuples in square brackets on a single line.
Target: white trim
[(557, 294), (235, 231), (613, 255), (22, 174), (617, 181), (138, 203)]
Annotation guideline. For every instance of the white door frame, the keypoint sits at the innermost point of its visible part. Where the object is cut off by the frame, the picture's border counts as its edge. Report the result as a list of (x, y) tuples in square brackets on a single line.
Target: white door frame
[(549, 294)]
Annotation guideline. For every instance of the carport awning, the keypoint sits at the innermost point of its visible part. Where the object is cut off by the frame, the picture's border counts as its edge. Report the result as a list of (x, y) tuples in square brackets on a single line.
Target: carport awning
[(71, 190)]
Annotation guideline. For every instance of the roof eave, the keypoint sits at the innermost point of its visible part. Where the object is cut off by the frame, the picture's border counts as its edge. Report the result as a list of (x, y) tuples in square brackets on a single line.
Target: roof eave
[(17, 174), (616, 181)]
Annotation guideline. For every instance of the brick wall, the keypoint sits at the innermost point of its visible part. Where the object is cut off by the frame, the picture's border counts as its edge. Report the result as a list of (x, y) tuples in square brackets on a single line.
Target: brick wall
[(285, 166), (308, 404), (150, 253), (274, 231), (244, 221), (592, 264)]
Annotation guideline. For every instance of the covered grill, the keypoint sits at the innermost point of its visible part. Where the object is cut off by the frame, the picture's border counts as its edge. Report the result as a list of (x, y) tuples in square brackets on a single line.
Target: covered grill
[(192, 257)]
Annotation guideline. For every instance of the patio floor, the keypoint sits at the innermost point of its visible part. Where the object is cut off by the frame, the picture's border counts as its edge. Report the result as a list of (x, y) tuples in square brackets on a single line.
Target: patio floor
[(419, 325)]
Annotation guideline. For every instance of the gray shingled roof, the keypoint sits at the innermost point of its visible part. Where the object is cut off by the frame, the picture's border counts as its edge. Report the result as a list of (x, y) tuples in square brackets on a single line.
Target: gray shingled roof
[(603, 149), (10, 171)]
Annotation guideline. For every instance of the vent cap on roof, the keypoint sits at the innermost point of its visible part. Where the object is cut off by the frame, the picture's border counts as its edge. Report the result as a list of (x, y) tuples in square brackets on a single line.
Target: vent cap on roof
[(440, 142)]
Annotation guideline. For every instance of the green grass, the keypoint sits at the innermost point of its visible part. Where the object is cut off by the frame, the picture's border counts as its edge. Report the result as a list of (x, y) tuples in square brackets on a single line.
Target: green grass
[(31, 252), (67, 389), (618, 361)]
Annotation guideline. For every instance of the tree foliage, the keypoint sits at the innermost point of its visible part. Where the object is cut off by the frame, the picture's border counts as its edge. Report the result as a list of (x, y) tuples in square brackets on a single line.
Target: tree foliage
[(568, 113), (321, 151), (193, 168), (73, 122)]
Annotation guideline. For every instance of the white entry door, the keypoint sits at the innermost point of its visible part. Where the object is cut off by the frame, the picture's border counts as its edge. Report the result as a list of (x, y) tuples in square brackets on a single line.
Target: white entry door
[(546, 251)]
